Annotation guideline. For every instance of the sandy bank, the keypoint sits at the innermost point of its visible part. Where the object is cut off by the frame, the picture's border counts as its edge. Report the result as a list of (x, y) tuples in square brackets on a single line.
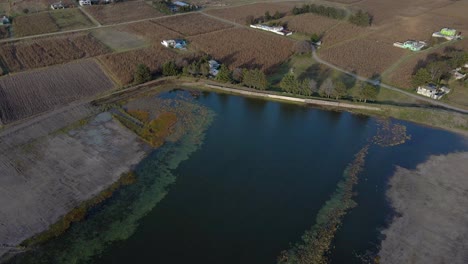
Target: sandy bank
[(433, 203), (44, 178)]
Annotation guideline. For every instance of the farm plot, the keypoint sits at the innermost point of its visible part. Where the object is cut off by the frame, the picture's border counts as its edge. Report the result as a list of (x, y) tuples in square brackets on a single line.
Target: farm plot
[(241, 47), (239, 14), (30, 93), (310, 23), (122, 12), (119, 40), (150, 31), (364, 56), (192, 24), (33, 6), (24, 55), (342, 32)]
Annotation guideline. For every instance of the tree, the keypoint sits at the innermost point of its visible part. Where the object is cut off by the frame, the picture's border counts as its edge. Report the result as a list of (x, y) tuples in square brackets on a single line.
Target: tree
[(267, 16), (249, 20), (421, 77), (170, 69), (194, 69), (224, 74), (368, 92), (315, 38), (437, 69), (261, 81), (312, 85), (304, 87), (340, 90), (362, 19), (326, 89), (277, 15), (205, 69), (237, 75), (302, 47), (142, 74), (289, 84)]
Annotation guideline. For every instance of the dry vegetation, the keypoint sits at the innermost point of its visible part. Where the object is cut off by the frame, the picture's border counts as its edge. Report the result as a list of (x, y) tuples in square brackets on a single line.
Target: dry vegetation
[(245, 48), (193, 24), (30, 93), (365, 57), (122, 12), (310, 23), (342, 32), (32, 6), (34, 24), (240, 13), (150, 31), (47, 22), (24, 55)]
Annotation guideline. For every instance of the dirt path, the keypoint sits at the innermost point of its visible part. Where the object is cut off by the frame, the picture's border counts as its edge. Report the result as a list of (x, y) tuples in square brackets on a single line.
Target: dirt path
[(93, 20)]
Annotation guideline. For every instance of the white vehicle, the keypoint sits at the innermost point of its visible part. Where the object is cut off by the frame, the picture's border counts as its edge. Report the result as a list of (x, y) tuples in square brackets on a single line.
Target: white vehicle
[(84, 2)]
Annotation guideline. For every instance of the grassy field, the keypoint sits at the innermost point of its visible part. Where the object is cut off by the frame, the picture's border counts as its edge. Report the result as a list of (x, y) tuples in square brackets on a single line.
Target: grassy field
[(119, 40)]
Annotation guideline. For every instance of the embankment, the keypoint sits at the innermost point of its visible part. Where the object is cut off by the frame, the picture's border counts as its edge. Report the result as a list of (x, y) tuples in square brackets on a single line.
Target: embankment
[(431, 201)]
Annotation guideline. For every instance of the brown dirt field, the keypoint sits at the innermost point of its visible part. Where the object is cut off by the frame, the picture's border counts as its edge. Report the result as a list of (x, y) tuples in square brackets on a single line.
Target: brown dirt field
[(245, 48), (192, 24), (309, 23), (433, 223), (365, 57), (123, 65), (30, 93), (34, 6), (122, 12), (150, 31), (34, 24), (385, 11), (344, 1), (25, 55), (240, 13), (343, 31)]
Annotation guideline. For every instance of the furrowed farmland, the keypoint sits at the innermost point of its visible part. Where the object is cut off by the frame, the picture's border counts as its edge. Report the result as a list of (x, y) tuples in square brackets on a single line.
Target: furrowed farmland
[(363, 56), (32, 6), (122, 12), (192, 24), (47, 22), (24, 55), (310, 23), (241, 47), (26, 94), (239, 14), (150, 31)]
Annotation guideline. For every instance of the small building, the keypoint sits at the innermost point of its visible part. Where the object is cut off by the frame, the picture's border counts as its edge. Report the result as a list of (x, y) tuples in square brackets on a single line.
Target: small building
[(174, 43), (277, 30), (413, 45), (447, 33), (180, 4), (84, 2), (457, 74), (214, 67), (432, 91), (4, 20), (58, 5)]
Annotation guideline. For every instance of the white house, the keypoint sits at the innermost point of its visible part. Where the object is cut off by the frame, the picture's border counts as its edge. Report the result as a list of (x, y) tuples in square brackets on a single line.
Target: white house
[(277, 30), (58, 5), (431, 91), (84, 2), (174, 43)]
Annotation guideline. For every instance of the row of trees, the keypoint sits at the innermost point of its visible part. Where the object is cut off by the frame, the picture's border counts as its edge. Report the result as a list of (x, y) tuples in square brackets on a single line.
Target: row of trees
[(359, 18), (439, 68), (329, 88), (328, 11), (251, 20)]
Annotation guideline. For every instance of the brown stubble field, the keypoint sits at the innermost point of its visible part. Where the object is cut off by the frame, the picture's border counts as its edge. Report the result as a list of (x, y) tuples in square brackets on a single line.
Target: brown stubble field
[(240, 13), (32, 6), (240, 47), (29, 93), (34, 24), (122, 12), (192, 24), (310, 23), (30, 54)]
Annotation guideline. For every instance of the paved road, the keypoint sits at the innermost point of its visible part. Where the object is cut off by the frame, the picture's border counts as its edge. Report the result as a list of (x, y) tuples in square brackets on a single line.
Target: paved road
[(386, 86)]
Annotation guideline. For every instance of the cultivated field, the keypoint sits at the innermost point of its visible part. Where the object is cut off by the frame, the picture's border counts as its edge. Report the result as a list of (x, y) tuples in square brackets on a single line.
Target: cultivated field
[(122, 12), (22, 7), (240, 13), (24, 55), (364, 56), (119, 40), (150, 31), (192, 24), (342, 32), (47, 22), (241, 47), (309, 23), (26, 94)]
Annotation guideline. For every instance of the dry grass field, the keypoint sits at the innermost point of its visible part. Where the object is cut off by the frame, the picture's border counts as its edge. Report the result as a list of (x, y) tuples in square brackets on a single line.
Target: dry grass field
[(47, 22), (119, 40), (30, 93), (122, 12), (150, 31), (363, 56), (241, 47), (342, 32), (192, 24), (240, 13), (309, 23), (31, 6), (25, 55)]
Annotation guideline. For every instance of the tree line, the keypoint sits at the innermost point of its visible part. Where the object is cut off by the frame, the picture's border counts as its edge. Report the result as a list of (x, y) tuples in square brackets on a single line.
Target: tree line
[(359, 18), (439, 67), (251, 20)]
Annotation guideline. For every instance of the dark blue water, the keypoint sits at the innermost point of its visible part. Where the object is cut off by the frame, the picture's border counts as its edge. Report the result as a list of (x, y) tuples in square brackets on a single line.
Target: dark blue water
[(250, 191), (262, 174)]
